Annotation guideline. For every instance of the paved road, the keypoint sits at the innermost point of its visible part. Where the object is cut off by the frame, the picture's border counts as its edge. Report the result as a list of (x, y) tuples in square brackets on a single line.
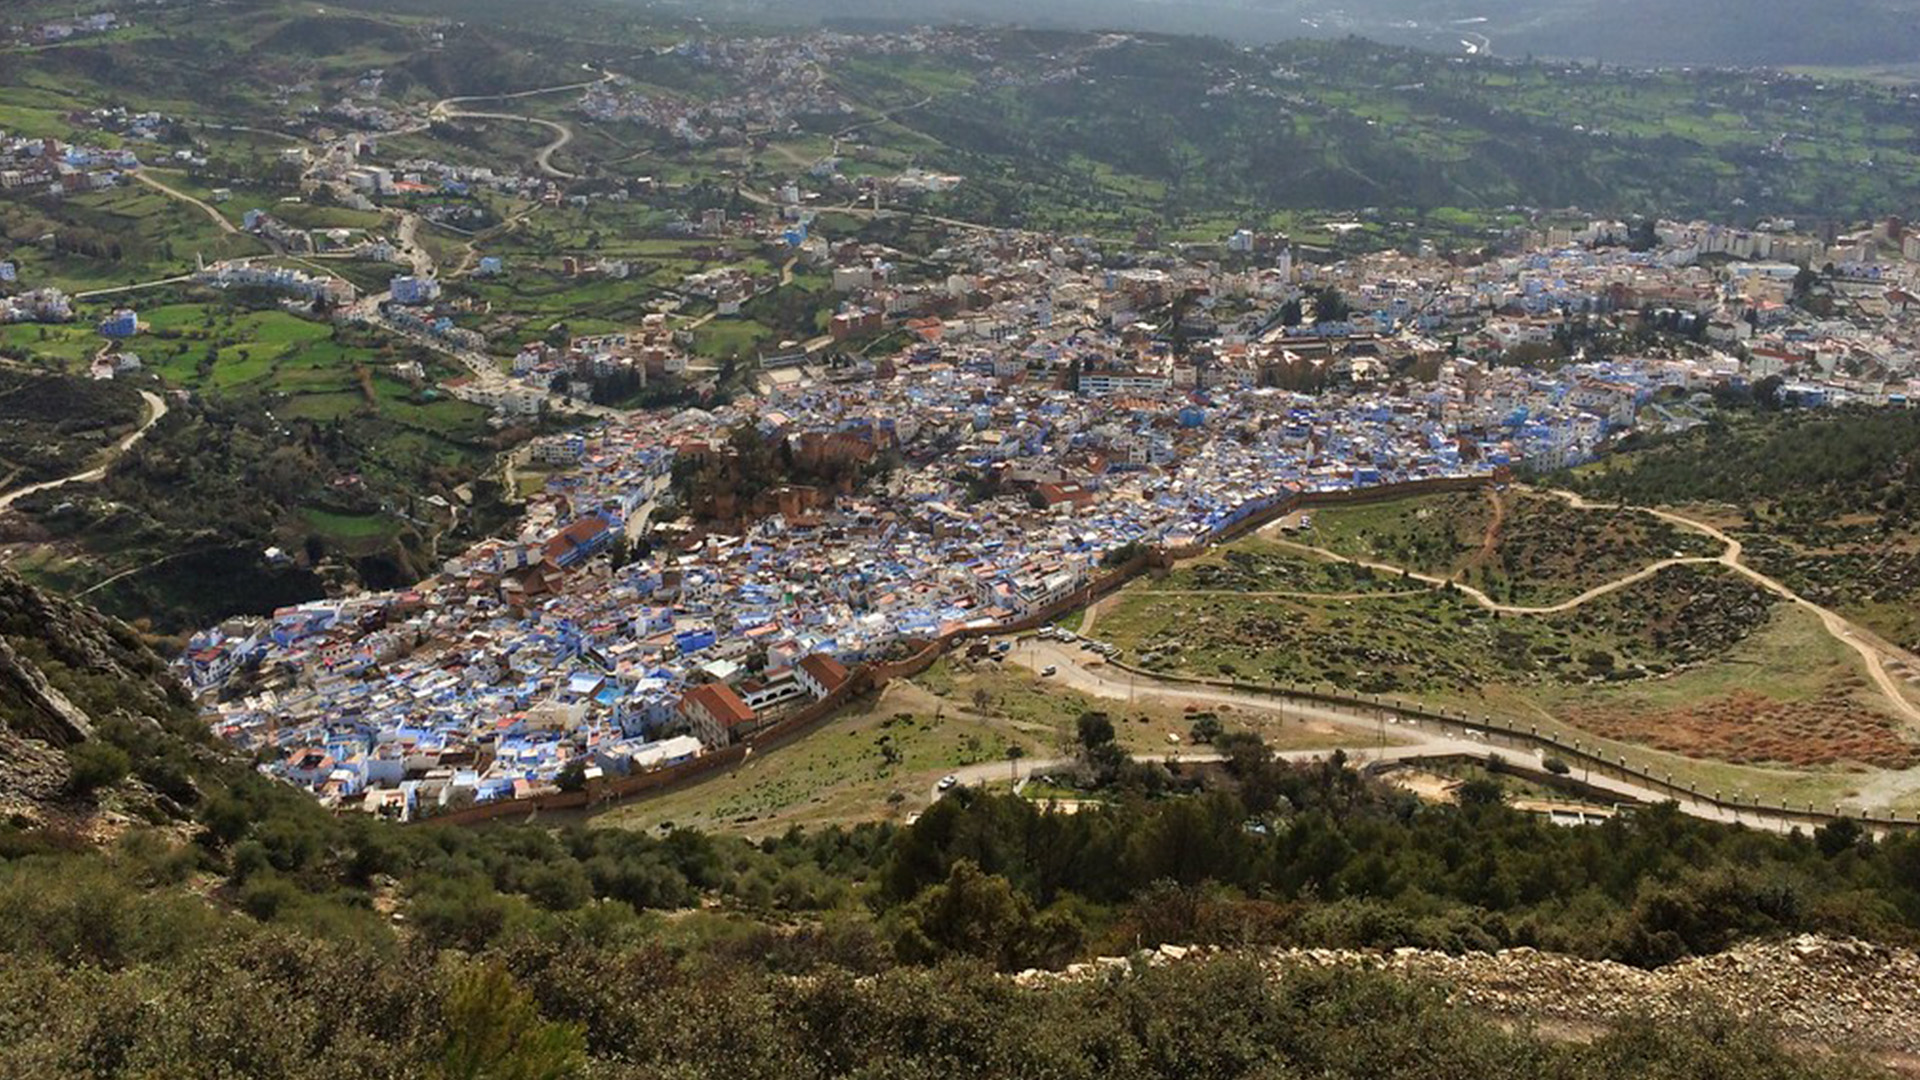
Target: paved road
[(563, 134), (1421, 739), (445, 103), (544, 158), (156, 409)]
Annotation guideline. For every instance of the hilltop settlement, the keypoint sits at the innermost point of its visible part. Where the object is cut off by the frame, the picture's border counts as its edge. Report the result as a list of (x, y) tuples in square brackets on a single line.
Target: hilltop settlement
[(679, 580)]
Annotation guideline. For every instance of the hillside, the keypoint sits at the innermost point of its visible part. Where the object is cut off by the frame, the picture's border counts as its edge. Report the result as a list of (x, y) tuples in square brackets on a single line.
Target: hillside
[(1829, 503), (1725, 32), (1180, 127), (222, 935), (94, 731)]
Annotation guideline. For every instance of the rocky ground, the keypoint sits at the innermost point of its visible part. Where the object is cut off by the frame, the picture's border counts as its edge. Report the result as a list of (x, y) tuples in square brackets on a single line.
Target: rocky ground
[(65, 670), (1847, 995)]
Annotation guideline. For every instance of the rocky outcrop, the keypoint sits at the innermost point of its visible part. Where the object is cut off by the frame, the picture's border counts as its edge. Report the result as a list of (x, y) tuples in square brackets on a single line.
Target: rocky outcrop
[(31, 705), (64, 667), (65, 671)]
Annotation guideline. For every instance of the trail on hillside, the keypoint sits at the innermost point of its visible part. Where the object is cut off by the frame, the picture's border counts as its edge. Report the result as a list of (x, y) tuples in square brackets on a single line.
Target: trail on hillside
[(156, 409), (1873, 650)]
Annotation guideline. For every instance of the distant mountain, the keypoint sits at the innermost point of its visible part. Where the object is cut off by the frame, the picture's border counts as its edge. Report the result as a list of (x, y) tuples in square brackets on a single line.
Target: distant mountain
[(1705, 32)]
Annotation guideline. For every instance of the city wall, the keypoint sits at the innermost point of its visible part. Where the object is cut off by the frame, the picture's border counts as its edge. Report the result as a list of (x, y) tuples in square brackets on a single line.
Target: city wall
[(874, 676)]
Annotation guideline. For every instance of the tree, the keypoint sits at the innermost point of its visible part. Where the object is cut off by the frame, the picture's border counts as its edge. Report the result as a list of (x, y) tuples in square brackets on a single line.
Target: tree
[(1837, 837), (1206, 728), (1014, 753), (1094, 730), (494, 1031), (972, 913), (1480, 791), (1329, 305)]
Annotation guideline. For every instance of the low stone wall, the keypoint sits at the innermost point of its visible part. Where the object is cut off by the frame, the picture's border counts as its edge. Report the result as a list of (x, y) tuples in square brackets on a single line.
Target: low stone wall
[(1842, 994)]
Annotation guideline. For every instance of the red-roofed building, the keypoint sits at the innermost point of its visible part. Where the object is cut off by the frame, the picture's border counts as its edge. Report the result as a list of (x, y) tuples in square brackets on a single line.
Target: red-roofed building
[(1072, 493), (573, 544), (715, 713), (821, 674)]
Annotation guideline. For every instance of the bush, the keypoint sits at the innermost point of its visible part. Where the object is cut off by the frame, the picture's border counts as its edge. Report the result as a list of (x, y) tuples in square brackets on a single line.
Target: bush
[(94, 765), (1206, 728)]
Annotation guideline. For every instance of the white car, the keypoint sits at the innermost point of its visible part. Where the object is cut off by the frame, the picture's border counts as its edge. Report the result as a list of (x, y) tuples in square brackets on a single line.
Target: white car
[(948, 781), (1048, 670)]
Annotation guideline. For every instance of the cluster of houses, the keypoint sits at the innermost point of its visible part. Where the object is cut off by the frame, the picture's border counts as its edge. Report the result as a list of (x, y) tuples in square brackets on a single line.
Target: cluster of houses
[(48, 305), (286, 281), (653, 351), (49, 166), (59, 30), (597, 634), (782, 78)]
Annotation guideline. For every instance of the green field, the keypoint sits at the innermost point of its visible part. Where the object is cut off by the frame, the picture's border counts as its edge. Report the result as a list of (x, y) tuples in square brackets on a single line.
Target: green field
[(113, 238), (958, 713), (1693, 661), (350, 527)]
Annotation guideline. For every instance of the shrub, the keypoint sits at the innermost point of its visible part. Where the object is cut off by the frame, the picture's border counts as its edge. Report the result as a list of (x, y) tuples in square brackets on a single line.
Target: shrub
[(94, 765)]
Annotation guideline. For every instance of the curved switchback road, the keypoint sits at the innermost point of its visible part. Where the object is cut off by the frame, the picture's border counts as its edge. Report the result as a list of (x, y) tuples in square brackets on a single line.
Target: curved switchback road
[(563, 134), (544, 158), (156, 409)]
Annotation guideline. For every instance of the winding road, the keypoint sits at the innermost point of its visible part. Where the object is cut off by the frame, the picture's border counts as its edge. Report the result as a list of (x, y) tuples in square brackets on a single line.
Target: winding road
[(1418, 739), (544, 158), (156, 409), (563, 134)]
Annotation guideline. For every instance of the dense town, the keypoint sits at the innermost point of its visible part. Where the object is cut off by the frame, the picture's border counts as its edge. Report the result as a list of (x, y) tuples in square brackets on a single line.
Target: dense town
[(684, 578)]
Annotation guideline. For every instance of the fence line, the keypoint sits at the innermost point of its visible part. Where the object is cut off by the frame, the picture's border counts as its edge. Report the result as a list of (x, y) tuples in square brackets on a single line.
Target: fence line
[(1497, 730), (873, 676)]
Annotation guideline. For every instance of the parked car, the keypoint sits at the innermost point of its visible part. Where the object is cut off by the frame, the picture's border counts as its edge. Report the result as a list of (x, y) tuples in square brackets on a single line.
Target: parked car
[(1048, 670), (948, 782)]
